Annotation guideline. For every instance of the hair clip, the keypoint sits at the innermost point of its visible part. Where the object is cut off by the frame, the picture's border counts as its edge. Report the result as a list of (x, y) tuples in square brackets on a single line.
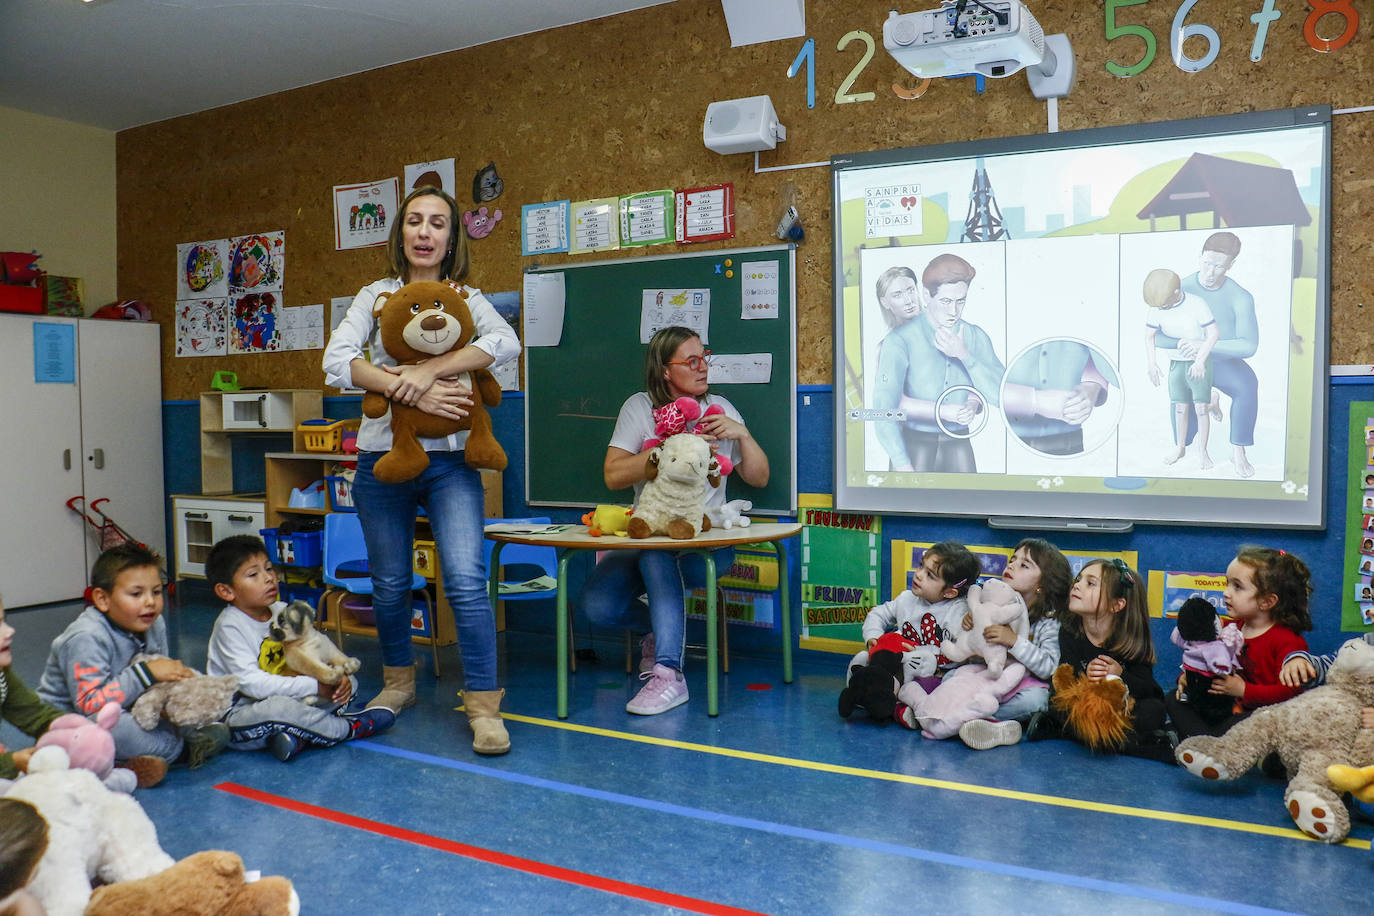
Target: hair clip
[(1124, 572), (959, 584)]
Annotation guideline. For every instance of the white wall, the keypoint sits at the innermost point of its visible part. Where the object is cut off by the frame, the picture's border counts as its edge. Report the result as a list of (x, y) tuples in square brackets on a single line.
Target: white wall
[(57, 191)]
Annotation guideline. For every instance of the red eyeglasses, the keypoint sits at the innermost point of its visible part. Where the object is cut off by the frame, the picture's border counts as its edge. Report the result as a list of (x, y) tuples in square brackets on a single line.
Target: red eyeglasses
[(694, 363)]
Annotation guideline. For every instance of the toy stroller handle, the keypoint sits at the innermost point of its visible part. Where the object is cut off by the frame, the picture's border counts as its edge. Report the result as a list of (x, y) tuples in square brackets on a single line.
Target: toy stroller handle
[(95, 504)]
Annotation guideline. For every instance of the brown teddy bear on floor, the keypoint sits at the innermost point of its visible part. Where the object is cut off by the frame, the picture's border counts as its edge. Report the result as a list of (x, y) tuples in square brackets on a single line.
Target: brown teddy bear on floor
[(207, 883), (1310, 732), (419, 321)]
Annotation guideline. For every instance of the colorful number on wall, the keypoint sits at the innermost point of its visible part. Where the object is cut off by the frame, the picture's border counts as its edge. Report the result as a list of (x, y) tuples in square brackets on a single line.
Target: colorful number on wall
[(843, 95)]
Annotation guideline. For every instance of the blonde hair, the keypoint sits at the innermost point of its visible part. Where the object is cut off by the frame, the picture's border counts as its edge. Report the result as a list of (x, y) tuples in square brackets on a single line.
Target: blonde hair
[(1161, 288)]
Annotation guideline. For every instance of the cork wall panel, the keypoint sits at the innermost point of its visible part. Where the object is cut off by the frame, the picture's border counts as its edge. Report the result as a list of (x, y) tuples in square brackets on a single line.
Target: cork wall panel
[(616, 105)]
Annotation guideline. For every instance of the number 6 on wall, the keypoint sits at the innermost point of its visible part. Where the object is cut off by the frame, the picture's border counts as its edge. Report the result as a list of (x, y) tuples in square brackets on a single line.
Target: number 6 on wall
[(1179, 33), (1115, 31)]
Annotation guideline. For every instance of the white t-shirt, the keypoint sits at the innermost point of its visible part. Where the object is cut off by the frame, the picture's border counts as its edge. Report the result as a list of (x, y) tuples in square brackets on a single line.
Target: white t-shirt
[(636, 423), (358, 330), (1185, 321), (236, 648)]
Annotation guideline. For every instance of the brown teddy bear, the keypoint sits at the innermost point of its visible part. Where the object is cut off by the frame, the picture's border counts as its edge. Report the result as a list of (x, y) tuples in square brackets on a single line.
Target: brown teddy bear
[(1310, 733), (207, 883), (419, 321)]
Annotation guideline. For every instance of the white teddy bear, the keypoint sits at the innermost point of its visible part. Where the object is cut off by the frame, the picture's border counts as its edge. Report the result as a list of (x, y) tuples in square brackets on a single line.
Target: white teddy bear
[(92, 833), (993, 602)]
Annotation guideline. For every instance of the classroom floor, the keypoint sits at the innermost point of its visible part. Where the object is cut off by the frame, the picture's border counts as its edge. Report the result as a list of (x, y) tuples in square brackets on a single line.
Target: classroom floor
[(776, 806)]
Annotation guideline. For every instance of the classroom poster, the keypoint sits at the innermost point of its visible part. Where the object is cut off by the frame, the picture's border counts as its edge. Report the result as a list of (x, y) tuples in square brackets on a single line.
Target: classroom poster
[(257, 263), (507, 305), (705, 214), (1357, 592), (646, 218), (254, 325), (595, 225), (437, 173), (202, 270), (302, 327), (363, 213), (839, 573), (747, 588), (201, 327), (666, 308), (544, 227), (1168, 591)]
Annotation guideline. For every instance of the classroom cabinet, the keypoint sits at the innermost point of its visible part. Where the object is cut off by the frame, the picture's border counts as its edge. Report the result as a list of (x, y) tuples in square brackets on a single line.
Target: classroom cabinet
[(198, 523), (82, 417)]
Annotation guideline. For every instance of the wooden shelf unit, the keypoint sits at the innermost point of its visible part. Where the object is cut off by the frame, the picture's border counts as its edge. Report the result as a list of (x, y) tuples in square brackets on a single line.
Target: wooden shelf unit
[(216, 447), (286, 471)]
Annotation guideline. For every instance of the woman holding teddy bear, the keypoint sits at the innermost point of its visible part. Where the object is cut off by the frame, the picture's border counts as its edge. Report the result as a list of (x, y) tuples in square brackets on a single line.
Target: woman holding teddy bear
[(676, 365), (427, 243)]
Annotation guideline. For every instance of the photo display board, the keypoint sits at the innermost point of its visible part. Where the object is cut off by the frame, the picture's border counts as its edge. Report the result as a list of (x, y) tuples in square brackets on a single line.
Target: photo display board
[(1109, 324)]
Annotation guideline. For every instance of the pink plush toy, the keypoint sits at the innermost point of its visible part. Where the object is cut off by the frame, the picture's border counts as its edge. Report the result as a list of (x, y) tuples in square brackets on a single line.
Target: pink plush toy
[(90, 746), (681, 416), (968, 692)]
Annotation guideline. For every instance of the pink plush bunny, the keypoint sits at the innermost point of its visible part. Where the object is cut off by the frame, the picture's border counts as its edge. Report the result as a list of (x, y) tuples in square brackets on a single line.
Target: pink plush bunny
[(90, 746), (681, 416)]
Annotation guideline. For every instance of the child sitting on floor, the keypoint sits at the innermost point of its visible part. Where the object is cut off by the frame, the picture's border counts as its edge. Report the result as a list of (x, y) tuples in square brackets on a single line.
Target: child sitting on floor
[(270, 709), (91, 664), (925, 612), (19, 706), (1040, 574)]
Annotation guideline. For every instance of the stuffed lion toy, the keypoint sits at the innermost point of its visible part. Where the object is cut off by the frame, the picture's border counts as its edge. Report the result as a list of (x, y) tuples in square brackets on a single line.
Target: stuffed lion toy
[(419, 321), (1097, 712), (1311, 732)]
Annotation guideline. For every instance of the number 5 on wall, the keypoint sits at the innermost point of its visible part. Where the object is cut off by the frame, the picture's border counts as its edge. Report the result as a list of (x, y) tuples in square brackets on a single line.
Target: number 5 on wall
[(1115, 31)]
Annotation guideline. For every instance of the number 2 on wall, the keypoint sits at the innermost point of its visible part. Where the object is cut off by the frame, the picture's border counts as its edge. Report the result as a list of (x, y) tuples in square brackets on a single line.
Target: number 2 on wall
[(843, 95)]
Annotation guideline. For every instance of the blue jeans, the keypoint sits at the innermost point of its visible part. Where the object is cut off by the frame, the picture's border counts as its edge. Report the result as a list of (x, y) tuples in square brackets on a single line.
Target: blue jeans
[(451, 492), (611, 596), (1024, 704)]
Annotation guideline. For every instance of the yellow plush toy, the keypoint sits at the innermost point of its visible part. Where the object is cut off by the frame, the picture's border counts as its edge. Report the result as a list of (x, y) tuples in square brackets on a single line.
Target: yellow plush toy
[(419, 321), (608, 520)]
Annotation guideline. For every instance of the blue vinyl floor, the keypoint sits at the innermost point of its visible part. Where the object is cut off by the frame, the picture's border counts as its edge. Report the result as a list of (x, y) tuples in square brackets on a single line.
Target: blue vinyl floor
[(776, 806)]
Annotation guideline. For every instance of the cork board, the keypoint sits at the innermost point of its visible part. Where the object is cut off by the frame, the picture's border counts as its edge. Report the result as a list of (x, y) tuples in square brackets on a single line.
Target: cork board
[(616, 105)]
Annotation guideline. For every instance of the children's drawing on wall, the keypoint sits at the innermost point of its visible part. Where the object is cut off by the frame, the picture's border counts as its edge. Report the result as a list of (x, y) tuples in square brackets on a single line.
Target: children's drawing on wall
[(486, 184), (941, 370), (202, 270), (437, 173), (255, 327), (302, 327), (201, 327), (1214, 304), (257, 263), (362, 213)]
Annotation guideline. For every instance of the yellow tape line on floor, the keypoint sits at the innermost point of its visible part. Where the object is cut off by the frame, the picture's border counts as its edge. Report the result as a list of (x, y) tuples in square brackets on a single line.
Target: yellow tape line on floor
[(969, 788)]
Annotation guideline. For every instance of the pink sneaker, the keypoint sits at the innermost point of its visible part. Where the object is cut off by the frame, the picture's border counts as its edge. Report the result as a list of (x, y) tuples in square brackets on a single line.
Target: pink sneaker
[(665, 690), (646, 653)]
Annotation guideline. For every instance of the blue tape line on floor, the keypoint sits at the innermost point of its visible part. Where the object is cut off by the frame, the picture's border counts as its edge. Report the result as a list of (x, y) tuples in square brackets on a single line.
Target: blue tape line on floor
[(820, 836)]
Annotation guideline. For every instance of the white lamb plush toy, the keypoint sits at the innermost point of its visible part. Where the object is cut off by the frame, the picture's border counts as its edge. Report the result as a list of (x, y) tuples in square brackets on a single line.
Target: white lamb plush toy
[(993, 602), (673, 502), (92, 833)]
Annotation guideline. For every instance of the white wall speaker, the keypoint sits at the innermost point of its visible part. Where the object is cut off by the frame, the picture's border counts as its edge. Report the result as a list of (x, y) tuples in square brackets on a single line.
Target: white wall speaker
[(742, 126)]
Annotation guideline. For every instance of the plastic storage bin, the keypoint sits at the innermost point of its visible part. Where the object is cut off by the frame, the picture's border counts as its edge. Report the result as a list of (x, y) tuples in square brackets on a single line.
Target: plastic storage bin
[(290, 591), (322, 435), (269, 539), (358, 608), (300, 548)]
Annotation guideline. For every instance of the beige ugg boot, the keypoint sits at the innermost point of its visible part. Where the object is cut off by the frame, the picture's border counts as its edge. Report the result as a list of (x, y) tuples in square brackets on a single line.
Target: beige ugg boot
[(484, 715), (398, 689)]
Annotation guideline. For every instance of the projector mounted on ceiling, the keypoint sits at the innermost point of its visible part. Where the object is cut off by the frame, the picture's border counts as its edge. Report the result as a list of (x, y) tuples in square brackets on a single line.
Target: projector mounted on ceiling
[(995, 38)]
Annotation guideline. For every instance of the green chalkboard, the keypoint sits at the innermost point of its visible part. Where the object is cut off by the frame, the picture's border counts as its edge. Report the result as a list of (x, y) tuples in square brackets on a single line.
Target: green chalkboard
[(573, 391)]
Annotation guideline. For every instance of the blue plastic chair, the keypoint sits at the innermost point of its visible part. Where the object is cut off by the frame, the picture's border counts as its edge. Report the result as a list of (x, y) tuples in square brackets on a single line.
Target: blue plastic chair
[(344, 547), (532, 561)]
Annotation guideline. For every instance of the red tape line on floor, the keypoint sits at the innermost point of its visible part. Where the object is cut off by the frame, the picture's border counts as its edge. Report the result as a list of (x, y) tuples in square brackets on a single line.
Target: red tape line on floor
[(530, 866)]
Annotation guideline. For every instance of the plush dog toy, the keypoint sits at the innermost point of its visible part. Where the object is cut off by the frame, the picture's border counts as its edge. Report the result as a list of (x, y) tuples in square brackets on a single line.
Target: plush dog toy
[(1097, 712), (90, 746), (190, 702), (93, 833), (1209, 650), (1310, 732), (306, 650), (992, 602), (419, 321), (873, 687), (731, 514), (673, 501), (210, 883)]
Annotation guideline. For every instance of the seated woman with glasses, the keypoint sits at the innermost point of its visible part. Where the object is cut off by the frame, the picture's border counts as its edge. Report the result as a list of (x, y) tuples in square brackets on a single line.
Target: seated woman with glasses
[(675, 366)]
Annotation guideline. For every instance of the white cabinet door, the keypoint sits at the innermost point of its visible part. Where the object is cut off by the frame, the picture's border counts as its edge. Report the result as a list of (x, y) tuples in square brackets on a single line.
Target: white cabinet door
[(42, 543), (121, 426)]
